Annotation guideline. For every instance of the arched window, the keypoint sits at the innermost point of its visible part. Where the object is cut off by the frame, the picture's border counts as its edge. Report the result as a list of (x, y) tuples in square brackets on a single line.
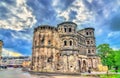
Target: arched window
[(42, 41), (88, 42), (70, 30), (89, 51), (65, 29), (91, 42), (65, 43), (70, 43), (86, 33), (39, 36), (49, 42), (90, 33)]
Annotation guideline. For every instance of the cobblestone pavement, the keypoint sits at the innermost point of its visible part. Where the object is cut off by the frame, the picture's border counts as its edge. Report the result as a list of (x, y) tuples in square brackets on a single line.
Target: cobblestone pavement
[(17, 73)]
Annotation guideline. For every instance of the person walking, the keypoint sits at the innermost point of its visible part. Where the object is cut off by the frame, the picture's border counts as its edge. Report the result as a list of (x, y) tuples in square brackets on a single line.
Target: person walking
[(89, 70)]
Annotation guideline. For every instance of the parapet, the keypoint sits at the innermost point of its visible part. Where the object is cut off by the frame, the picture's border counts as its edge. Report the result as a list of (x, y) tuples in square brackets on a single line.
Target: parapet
[(43, 27)]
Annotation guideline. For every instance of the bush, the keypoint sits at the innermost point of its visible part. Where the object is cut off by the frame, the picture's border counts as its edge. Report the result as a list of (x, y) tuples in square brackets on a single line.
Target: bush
[(110, 76)]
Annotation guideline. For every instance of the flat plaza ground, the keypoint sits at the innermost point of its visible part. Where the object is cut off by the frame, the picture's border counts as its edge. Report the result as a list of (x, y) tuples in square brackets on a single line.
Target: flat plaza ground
[(18, 73)]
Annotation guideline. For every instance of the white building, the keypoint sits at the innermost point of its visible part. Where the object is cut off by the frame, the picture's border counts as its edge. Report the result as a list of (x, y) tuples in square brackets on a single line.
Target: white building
[(15, 61)]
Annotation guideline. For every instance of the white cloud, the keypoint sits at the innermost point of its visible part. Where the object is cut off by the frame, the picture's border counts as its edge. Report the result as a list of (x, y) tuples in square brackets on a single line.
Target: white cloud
[(112, 34), (19, 16), (23, 36), (90, 1), (55, 2), (83, 14), (98, 31), (9, 52)]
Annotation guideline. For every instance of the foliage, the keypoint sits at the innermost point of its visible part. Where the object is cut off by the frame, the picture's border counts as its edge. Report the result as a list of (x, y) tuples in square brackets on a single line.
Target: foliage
[(110, 76), (109, 56), (117, 58)]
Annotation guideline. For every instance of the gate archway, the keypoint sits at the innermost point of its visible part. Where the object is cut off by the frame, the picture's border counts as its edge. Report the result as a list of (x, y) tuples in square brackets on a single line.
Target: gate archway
[(84, 67), (79, 65)]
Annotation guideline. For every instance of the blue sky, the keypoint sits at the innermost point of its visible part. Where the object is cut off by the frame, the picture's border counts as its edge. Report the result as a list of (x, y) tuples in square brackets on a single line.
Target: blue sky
[(18, 18)]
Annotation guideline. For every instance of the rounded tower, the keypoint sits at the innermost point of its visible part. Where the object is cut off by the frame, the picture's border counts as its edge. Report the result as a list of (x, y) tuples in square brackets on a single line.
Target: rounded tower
[(68, 39), (67, 28), (45, 48), (68, 36)]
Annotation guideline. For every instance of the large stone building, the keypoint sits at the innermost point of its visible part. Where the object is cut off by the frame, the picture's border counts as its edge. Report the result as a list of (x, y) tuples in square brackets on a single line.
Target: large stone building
[(64, 49), (1, 44)]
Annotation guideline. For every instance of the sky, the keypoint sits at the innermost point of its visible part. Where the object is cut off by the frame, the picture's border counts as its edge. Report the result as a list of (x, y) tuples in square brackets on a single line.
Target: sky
[(18, 18)]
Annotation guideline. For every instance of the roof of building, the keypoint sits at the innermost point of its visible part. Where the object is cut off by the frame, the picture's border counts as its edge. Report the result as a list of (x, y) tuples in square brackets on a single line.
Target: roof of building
[(67, 22), (86, 29), (1, 41), (89, 28)]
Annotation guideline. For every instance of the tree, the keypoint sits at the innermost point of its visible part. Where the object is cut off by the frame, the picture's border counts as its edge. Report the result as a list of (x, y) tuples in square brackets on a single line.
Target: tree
[(106, 54), (117, 57)]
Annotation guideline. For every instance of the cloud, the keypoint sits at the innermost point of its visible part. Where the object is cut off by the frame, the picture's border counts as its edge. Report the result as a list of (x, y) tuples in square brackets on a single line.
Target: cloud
[(82, 14), (19, 41), (9, 52), (16, 15), (113, 34), (99, 32), (62, 5), (22, 36), (113, 39)]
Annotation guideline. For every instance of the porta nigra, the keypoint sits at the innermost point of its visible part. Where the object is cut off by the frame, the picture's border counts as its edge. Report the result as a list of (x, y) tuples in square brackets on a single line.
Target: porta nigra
[(64, 49)]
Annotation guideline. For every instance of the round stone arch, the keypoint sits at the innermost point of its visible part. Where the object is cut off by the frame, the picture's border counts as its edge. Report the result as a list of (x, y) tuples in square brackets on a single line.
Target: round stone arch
[(70, 42), (64, 42), (74, 41), (84, 65)]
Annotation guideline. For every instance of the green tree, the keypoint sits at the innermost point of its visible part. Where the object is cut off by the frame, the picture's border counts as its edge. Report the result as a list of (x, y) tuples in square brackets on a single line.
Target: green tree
[(117, 57), (106, 54)]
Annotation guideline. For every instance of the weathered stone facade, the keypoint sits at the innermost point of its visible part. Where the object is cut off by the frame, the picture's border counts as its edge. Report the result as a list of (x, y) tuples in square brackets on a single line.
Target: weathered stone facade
[(1, 44), (64, 49)]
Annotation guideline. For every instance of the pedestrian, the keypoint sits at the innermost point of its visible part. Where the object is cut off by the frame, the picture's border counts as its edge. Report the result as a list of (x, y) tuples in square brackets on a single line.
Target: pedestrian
[(89, 70)]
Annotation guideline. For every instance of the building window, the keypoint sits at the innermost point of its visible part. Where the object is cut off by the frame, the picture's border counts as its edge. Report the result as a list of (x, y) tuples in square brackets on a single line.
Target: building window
[(90, 33), (50, 59), (93, 51), (35, 42), (42, 41), (49, 42), (89, 51), (70, 30), (88, 42), (65, 43), (91, 42), (65, 29), (39, 35), (86, 33), (70, 43)]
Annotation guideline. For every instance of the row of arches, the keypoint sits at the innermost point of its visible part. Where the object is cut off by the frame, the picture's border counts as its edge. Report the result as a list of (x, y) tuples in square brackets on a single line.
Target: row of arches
[(89, 33), (90, 42), (91, 51), (68, 43)]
